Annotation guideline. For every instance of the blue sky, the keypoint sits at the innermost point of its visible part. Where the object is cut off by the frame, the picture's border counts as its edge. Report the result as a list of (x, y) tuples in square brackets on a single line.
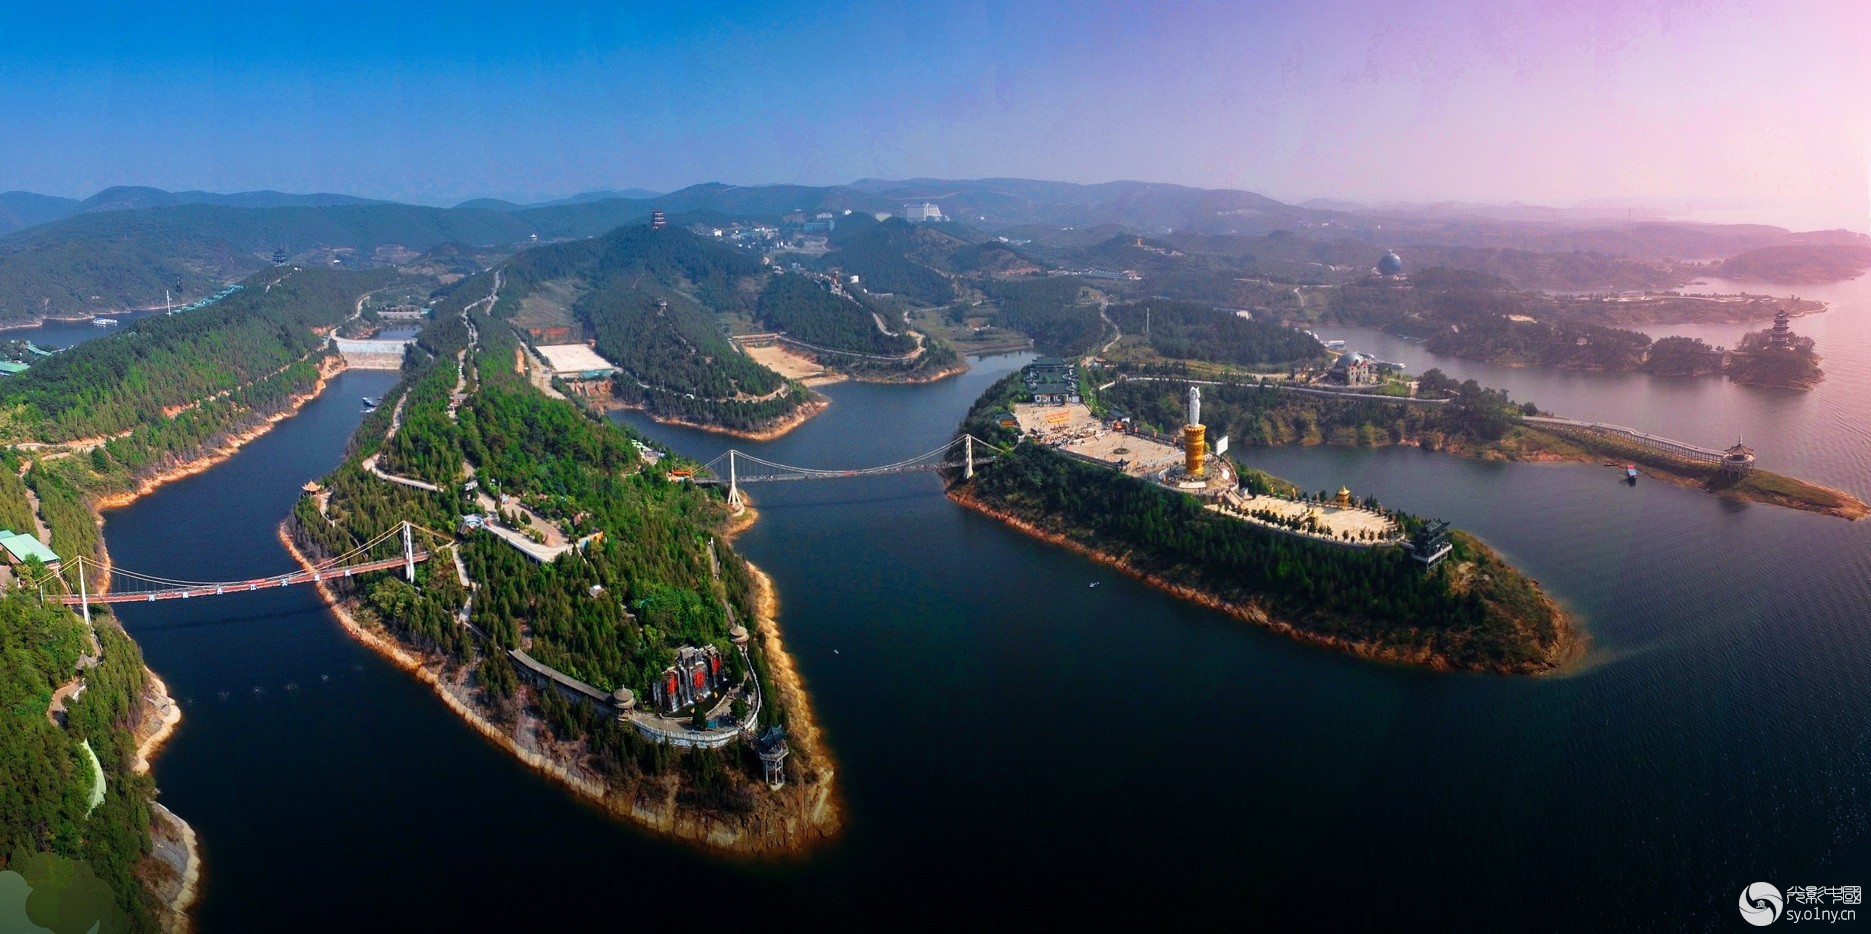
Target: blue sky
[(1534, 100)]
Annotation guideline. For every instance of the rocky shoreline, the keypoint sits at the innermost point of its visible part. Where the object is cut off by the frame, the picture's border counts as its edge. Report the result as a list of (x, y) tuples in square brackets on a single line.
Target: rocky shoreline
[(797, 417), (228, 447), (1848, 507), (172, 871), (810, 814), (1570, 649), (176, 887)]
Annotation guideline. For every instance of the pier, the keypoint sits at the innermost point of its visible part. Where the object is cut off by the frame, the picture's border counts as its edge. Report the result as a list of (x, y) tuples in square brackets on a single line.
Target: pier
[(1678, 449)]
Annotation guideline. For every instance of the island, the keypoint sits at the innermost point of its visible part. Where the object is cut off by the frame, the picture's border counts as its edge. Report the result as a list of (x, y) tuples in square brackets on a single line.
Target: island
[(1332, 569), (585, 608), (1477, 317)]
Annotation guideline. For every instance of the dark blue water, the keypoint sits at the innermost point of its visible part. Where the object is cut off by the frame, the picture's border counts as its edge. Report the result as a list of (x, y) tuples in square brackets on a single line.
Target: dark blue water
[(58, 335), (1011, 741)]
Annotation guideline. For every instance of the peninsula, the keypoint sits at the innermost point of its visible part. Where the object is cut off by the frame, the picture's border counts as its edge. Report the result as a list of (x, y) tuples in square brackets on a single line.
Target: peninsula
[(1471, 421), (1336, 570), (591, 616)]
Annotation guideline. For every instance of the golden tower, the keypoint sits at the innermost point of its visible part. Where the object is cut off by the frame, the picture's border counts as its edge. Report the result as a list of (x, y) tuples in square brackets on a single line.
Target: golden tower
[(1195, 435)]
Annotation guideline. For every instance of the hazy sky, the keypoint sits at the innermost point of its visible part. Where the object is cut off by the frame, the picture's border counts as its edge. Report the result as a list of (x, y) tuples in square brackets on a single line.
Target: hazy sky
[(1532, 100)]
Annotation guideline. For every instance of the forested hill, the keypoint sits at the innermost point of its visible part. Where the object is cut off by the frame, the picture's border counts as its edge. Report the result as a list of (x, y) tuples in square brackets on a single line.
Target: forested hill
[(90, 846), (1799, 263), (1473, 612), (1187, 331), (654, 574), (88, 860), (115, 383), (100, 262), (894, 256), (807, 309), (649, 298), (1053, 311), (75, 278)]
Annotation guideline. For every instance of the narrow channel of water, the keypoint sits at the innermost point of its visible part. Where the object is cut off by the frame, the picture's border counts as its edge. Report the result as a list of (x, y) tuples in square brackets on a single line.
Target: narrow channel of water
[(1009, 736)]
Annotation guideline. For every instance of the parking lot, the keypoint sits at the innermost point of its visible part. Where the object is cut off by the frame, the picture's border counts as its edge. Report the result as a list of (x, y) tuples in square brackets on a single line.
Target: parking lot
[(1073, 428)]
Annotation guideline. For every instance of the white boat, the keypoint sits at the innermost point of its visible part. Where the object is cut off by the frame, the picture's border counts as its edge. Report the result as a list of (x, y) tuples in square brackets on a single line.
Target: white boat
[(104, 322)]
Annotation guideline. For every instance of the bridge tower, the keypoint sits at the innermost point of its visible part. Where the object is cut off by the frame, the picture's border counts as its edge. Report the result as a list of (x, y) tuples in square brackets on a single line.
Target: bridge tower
[(734, 485), (409, 554), (967, 456), (84, 595)]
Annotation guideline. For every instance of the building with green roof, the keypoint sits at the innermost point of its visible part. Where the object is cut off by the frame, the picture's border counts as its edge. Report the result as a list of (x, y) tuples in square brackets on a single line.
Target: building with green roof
[(20, 546)]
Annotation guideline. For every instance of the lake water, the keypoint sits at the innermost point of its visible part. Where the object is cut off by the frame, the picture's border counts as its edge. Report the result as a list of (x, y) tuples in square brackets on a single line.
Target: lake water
[(58, 335), (1012, 741)]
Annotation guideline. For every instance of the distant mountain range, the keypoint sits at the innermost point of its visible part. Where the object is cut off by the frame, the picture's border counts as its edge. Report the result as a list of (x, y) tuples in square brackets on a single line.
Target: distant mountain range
[(607, 194), (122, 246), (20, 209)]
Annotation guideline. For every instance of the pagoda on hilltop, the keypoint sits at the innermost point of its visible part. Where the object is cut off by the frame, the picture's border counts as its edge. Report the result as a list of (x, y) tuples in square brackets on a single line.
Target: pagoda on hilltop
[(1781, 337)]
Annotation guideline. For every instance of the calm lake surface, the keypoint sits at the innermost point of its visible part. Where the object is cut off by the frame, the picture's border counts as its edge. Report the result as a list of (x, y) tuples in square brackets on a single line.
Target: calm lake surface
[(1011, 738), (58, 335)]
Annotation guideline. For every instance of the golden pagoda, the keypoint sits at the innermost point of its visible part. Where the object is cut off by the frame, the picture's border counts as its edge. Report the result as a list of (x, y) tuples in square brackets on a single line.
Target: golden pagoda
[(1344, 497)]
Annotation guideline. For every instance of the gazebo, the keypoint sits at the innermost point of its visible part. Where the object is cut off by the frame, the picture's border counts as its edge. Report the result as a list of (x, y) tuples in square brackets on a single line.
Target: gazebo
[(1738, 460)]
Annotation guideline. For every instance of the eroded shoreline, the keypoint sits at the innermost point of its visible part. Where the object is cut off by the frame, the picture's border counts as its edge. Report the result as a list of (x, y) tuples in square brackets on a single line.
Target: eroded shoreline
[(818, 816), (156, 704), (797, 417), (1569, 650), (228, 447)]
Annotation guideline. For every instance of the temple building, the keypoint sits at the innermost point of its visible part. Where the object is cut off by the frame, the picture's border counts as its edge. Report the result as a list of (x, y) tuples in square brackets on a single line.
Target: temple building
[(1430, 545), (697, 675)]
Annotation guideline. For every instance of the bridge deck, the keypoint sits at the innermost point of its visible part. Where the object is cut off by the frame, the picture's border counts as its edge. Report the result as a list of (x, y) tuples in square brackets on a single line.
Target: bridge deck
[(1656, 442), (230, 587), (817, 474)]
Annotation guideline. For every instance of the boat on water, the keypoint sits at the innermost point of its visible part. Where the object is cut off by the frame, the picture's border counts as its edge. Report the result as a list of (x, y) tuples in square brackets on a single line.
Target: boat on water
[(371, 402), (1630, 474), (104, 322)]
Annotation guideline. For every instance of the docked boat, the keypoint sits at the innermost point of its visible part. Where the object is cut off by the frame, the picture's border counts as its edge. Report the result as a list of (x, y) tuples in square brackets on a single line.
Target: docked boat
[(1630, 474)]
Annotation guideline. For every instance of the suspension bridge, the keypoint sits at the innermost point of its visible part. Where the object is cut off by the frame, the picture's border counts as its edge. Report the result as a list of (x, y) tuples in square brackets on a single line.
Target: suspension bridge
[(402, 546), (727, 469)]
